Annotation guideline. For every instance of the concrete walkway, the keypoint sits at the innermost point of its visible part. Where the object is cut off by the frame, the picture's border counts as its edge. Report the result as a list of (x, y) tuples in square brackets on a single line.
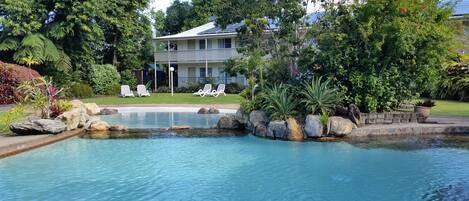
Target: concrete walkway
[(434, 125)]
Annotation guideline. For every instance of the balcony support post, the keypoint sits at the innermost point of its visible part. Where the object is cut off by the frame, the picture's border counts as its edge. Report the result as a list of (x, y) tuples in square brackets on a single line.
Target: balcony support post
[(206, 61), (169, 62)]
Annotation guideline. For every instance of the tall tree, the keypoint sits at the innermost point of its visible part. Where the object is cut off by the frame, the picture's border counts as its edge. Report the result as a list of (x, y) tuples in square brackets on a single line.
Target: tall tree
[(176, 15)]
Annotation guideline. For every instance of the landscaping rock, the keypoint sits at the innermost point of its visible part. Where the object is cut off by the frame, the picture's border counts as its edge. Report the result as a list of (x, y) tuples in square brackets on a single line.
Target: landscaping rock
[(118, 127), (354, 114), (313, 126), (277, 129), (92, 109), (90, 121), (99, 126), (340, 126), (295, 132), (260, 130), (77, 104), (41, 126), (108, 111), (70, 118), (241, 116), (255, 117), (180, 127), (213, 110), (229, 122), (202, 110)]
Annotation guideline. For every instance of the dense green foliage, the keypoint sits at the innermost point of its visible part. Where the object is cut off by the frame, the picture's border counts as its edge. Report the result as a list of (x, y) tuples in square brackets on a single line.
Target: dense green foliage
[(128, 78), (382, 52), (279, 102), (66, 38), (454, 82), (9, 117), (79, 90), (103, 77), (320, 97)]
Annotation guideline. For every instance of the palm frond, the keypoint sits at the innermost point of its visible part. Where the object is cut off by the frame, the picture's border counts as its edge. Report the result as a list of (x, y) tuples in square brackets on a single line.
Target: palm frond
[(9, 43)]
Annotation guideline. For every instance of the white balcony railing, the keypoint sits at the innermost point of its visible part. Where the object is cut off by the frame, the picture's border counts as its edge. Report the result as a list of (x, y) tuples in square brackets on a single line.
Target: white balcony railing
[(179, 56)]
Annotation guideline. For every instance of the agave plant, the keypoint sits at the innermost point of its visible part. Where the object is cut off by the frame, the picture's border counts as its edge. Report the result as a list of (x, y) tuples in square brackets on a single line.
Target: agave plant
[(320, 97), (279, 102)]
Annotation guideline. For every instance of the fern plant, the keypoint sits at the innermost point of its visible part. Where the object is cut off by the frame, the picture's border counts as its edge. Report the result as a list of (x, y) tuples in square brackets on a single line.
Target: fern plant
[(320, 97), (279, 102)]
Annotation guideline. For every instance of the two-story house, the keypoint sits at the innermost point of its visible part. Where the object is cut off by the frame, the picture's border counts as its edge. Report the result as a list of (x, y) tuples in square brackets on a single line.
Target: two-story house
[(199, 54)]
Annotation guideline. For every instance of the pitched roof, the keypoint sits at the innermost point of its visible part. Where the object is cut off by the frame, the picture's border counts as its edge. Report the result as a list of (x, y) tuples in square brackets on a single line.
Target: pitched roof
[(461, 8)]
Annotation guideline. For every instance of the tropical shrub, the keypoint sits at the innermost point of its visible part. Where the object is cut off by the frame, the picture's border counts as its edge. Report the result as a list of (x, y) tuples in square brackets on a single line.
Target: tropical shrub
[(320, 97), (381, 53), (128, 78), (103, 77), (79, 90), (41, 93), (233, 88), (59, 107), (188, 89), (113, 89), (426, 103), (278, 102), (164, 89), (254, 104), (11, 76), (10, 116), (454, 83)]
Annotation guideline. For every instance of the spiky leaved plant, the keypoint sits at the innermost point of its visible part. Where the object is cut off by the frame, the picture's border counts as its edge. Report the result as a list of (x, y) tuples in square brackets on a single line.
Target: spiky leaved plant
[(320, 97), (279, 102)]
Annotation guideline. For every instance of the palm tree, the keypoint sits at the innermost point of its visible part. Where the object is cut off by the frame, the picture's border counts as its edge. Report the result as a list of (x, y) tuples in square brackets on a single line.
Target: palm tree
[(33, 49)]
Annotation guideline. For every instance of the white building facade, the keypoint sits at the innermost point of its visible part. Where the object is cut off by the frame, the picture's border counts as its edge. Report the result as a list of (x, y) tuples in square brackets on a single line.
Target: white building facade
[(199, 54)]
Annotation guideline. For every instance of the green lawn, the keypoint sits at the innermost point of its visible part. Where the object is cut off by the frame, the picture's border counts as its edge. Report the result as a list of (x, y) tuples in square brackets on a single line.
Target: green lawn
[(166, 98), (450, 108)]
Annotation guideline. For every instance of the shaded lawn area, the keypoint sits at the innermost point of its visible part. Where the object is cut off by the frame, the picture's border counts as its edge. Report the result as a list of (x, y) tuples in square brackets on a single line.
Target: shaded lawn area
[(166, 98), (450, 108)]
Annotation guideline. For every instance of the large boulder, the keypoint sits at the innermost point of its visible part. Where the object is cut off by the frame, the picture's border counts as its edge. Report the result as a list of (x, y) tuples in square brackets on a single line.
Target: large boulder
[(256, 117), (354, 114), (92, 109), (241, 116), (108, 111), (277, 129), (91, 120), (313, 126), (229, 122), (40, 126), (70, 118), (99, 126), (295, 132), (202, 110), (77, 104), (213, 110), (340, 126), (260, 130)]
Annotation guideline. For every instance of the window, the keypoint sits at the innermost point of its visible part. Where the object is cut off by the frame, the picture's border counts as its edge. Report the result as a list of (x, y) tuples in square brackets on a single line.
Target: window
[(202, 72), (191, 44), (224, 43), (202, 44)]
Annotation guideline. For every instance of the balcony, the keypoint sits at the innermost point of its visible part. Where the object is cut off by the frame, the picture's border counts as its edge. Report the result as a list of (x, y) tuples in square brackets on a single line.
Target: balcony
[(195, 56)]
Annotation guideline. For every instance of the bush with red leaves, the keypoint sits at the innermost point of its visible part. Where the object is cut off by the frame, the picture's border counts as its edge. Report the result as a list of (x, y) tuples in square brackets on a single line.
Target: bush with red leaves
[(11, 75)]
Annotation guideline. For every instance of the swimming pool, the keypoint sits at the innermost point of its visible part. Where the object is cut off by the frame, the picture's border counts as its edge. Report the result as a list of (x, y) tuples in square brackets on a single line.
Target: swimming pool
[(239, 168), (164, 117)]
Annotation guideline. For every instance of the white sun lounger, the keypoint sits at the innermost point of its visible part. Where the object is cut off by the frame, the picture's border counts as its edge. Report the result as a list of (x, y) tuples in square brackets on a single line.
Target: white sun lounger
[(220, 90), (203, 92), (142, 91), (126, 92)]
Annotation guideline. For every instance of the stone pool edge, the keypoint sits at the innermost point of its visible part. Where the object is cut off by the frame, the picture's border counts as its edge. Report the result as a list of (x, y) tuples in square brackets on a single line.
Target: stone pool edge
[(13, 149)]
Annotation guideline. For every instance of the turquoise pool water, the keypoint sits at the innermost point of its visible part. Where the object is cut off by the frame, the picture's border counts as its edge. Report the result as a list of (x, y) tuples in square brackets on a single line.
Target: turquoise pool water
[(162, 119), (239, 168)]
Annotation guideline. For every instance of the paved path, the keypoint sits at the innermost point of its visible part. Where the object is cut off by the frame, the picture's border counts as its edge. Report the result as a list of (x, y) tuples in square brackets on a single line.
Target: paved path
[(219, 106)]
